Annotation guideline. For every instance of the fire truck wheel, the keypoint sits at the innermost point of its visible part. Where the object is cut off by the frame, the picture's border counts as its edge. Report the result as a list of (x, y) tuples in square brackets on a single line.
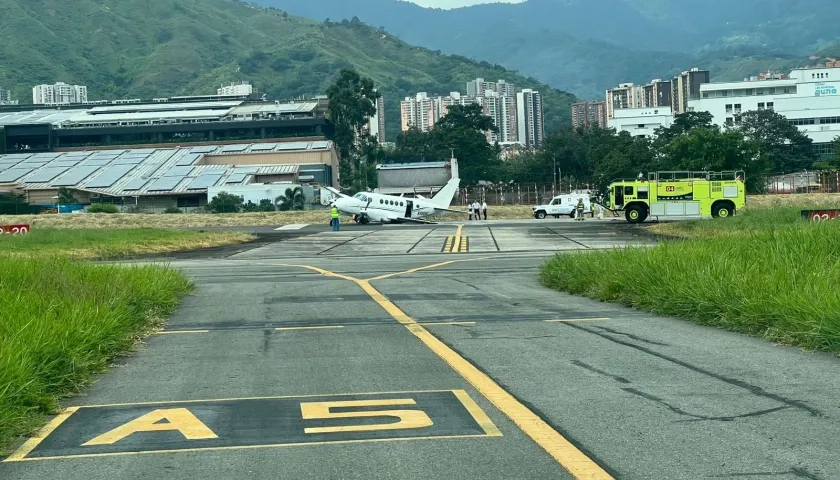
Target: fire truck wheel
[(722, 210), (635, 214)]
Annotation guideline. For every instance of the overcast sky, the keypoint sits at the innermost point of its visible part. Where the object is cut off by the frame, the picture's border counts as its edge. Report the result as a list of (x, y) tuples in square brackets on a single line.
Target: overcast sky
[(456, 3)]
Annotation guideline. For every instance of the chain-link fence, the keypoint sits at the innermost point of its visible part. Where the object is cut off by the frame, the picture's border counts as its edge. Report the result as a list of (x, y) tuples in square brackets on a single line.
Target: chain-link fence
[(803, 182), (519, 194)]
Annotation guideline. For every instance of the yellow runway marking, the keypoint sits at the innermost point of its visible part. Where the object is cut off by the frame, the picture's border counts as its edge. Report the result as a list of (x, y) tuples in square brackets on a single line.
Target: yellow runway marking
[(39, 437), (248, 447), (564, 452), (576, 320), (427, 267), (309, 328)]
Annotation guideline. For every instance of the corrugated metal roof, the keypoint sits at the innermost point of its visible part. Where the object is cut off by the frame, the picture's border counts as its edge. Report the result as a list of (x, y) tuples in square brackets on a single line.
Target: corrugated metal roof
[(161, 107), (86, 118), (36, 117), (98, 168), (304, 107), (278, 170)]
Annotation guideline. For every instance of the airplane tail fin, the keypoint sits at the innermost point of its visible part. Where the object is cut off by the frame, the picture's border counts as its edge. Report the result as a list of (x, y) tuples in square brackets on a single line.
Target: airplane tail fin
[(443, 198)]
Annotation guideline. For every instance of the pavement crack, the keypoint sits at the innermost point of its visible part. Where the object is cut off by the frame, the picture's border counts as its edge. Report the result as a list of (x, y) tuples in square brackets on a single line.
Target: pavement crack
[(465, 283), (696, 417), (795, 471), (600, 372), (475, 336), (745, 415), (630, 335), (754, 389)]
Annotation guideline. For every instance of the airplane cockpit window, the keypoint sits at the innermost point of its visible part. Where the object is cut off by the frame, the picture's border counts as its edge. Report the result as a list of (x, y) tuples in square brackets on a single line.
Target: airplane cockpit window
[(359, 196)]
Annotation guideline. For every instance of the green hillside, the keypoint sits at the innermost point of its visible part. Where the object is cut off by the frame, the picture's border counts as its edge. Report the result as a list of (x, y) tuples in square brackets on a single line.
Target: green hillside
[(143, 49)]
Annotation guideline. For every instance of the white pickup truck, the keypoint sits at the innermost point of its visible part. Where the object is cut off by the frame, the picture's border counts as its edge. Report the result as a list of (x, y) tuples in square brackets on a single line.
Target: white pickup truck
[(562, 205)]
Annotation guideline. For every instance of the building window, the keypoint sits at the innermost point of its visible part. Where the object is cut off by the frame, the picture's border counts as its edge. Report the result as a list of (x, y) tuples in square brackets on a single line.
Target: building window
[(761, 106), (737, 108), (759, 91), (750, 91), (729, 120), (769, 105), (728, 108)]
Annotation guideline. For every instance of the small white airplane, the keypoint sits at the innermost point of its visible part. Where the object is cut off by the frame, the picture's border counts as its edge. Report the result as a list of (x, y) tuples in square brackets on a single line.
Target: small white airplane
[(369, 207)]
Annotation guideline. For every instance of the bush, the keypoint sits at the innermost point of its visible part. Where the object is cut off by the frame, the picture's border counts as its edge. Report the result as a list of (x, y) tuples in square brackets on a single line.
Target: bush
[(172, 210), (776, 278), (103, 208)]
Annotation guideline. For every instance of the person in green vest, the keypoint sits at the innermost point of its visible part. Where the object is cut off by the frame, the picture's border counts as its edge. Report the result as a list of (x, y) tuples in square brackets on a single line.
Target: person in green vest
[(335, 221)]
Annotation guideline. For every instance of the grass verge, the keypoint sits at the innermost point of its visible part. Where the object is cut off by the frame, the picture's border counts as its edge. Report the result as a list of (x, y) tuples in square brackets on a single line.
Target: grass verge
[(112, 243), (764, 273), (61, 321)]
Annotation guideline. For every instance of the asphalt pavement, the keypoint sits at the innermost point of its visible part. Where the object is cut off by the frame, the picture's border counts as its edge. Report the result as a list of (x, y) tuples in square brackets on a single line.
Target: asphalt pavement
[(391, 352)]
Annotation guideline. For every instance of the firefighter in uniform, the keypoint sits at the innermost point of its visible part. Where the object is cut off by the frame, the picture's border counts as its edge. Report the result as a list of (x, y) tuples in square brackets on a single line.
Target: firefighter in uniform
[(580, 208)]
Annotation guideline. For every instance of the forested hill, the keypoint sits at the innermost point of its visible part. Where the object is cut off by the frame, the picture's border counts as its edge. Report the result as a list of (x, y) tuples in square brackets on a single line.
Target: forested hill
[(144, 49)]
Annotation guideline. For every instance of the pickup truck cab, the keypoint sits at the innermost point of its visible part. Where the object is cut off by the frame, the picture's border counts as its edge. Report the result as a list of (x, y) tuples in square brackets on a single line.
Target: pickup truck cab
[(562, 205)]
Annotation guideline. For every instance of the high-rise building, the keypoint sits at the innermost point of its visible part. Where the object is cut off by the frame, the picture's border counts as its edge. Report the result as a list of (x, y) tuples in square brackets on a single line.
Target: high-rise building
[(626, 95), (686, 86), (59, 94), (477, 87), (529, 115), (588, 114), (236, 89), (423, 111), (502, 109), (657, 94), (376, 123), (6, 97)]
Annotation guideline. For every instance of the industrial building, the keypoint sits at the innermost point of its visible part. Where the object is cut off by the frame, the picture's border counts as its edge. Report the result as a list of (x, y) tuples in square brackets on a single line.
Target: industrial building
[(161, 122), (411, 179), (158, 178)]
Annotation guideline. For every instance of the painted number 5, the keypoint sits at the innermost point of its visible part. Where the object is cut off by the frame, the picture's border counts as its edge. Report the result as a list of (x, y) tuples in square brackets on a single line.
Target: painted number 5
[(407, 418)]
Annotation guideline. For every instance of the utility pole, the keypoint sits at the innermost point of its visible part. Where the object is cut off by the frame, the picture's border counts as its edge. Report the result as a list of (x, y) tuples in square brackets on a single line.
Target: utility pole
[(554, 159)]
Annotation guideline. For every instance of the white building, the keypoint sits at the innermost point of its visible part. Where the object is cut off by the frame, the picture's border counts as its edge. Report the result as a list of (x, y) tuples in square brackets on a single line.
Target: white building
[(641, 122), (529, 115), (6, 97), (423, 112), (236, 89), (808, 97), (502, 109), (59, 94), (376, 123)]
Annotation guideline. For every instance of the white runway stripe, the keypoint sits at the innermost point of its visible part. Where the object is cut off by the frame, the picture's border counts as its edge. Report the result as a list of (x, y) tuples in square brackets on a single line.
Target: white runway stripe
[(294, 226)]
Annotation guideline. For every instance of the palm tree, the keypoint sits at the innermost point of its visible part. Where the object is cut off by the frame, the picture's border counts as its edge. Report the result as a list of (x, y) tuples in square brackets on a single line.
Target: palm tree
[(292, 200)]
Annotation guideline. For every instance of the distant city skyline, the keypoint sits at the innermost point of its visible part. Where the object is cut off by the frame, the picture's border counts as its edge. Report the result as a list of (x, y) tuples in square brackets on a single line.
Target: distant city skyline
[(448, 4)]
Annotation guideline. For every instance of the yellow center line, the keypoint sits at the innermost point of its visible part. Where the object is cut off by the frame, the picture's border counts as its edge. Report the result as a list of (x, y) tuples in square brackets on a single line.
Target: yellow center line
[(564, 452)]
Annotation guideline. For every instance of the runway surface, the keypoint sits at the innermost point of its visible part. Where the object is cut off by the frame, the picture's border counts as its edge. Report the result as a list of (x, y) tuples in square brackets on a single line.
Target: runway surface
[(432, 352)]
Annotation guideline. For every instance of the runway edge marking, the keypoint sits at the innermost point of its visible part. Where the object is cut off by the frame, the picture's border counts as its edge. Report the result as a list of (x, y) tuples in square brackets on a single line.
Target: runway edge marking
[(562, 450)]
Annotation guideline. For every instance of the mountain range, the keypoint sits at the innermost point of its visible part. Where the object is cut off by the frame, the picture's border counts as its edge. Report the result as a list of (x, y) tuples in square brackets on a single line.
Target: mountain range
[(147, 49), (586, 46)]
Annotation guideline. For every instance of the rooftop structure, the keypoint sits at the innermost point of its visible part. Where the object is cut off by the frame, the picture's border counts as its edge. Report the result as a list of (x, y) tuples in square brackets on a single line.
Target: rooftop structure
[(151, 172)]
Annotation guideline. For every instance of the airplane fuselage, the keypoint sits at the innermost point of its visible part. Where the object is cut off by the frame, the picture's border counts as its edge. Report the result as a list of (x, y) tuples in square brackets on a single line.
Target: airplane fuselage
[(384, 208)]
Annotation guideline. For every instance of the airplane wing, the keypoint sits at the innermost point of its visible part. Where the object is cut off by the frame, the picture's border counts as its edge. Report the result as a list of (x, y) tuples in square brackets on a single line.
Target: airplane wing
[(449, 210), (334, 191), (414, 220)]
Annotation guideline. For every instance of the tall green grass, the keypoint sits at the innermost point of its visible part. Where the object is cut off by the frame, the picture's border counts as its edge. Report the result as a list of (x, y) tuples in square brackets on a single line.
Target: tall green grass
[(765, 273), (61, 321)]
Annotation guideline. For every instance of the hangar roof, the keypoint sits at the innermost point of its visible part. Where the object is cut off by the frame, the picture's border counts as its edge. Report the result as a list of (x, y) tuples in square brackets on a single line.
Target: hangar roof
[(143, 171)]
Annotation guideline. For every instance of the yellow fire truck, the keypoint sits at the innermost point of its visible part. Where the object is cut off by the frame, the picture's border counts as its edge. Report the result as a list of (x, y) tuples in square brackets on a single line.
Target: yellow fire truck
[(678, 194)]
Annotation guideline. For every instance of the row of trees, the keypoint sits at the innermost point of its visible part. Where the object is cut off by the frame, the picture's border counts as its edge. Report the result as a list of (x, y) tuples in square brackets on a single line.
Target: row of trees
[(758, 142), (224, 202)]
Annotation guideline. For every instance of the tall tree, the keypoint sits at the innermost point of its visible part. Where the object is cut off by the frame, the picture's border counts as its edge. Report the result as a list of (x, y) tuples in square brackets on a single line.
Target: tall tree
[(352, 101), (779, 143), (463, 131)]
